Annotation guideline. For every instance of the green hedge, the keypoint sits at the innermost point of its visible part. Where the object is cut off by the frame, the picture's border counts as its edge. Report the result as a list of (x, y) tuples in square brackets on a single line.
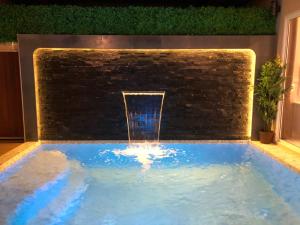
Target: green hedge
[(55, 19)]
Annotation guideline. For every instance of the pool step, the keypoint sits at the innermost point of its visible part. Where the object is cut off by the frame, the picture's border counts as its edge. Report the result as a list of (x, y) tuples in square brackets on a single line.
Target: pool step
[(61, 205), (39, 173)]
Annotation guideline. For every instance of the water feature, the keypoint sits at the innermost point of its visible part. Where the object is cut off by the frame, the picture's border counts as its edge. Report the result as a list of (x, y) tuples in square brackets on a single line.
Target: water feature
[(193, 184), (143, 114)]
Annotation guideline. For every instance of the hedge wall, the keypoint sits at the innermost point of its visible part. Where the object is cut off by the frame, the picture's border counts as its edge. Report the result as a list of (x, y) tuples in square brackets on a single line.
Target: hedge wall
[(55, 19), (177, 3)]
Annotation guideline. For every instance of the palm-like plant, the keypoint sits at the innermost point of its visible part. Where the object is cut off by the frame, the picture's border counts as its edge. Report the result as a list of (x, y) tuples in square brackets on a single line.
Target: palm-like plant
[(269, 91)]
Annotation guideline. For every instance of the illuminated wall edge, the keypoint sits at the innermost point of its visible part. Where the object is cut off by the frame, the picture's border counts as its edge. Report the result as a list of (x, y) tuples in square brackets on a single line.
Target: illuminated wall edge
[(252, 68)]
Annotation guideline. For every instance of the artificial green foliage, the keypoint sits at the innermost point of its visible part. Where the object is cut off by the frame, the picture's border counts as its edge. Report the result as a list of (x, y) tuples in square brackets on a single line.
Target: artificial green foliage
[(53, 19), (269, 90)]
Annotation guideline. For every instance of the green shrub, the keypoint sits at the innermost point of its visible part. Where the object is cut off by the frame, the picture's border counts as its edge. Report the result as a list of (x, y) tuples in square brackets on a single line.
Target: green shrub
[(269, 91), (20, 19)]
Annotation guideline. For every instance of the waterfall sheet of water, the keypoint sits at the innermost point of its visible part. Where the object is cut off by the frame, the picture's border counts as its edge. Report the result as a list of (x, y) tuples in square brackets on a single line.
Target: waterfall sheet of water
[(143, 113)]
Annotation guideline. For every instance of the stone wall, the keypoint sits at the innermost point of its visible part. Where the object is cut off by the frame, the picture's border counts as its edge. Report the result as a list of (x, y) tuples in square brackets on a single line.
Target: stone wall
[(80, 92)]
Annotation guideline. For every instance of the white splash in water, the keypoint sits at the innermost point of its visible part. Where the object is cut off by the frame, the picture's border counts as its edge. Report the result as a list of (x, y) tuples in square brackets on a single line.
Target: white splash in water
[(145, 153)]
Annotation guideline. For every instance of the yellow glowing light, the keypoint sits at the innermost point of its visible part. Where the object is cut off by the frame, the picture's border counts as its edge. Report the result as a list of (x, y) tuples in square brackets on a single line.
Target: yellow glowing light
[(36, 88), (249, 52), (142, 93), (251, 91), (236, 50)]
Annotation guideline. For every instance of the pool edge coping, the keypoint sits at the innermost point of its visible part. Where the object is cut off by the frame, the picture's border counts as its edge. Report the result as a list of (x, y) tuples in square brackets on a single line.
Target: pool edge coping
[(126, 141), (16, 154), (280, 152)]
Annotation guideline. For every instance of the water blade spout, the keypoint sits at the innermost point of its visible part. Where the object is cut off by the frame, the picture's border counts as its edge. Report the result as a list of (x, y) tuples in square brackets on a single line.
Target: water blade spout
[(143, 114)]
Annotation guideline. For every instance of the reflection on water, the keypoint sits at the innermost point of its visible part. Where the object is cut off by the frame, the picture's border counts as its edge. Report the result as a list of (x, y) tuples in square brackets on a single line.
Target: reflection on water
[(145, 153)]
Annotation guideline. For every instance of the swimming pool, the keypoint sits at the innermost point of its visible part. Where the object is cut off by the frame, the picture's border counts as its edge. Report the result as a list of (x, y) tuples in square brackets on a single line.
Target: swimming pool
[(166, 184)]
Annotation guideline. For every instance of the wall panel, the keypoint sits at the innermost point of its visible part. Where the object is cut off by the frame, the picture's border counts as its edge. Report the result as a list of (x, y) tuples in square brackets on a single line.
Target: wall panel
[(208, 93), (11, 122)]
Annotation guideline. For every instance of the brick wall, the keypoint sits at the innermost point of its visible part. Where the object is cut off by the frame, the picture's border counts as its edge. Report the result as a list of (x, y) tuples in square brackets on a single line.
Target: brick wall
[(206, 97)]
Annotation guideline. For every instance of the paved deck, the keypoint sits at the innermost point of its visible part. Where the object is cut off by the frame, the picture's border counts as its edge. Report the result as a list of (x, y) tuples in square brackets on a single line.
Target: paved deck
[(285, 153), (12, 154), (7, 146)]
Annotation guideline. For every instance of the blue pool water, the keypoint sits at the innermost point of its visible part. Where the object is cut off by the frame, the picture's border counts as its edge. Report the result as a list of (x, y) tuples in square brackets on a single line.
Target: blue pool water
[(169, 184)]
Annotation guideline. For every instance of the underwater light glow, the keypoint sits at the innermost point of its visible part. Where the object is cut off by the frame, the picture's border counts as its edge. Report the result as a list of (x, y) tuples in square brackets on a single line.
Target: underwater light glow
[(108, 184), (145, 153)]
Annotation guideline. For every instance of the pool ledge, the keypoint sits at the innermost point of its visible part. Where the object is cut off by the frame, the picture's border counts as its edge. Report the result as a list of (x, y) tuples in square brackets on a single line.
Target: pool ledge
[(160, 142), (12, 156), (285, 153)]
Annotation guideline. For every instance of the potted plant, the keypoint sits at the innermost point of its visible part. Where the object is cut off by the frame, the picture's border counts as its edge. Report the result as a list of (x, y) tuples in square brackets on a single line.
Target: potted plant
[(269, 91)]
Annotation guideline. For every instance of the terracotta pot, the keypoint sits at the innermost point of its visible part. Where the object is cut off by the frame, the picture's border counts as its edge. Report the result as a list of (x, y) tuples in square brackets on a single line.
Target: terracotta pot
[(266, 137)]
